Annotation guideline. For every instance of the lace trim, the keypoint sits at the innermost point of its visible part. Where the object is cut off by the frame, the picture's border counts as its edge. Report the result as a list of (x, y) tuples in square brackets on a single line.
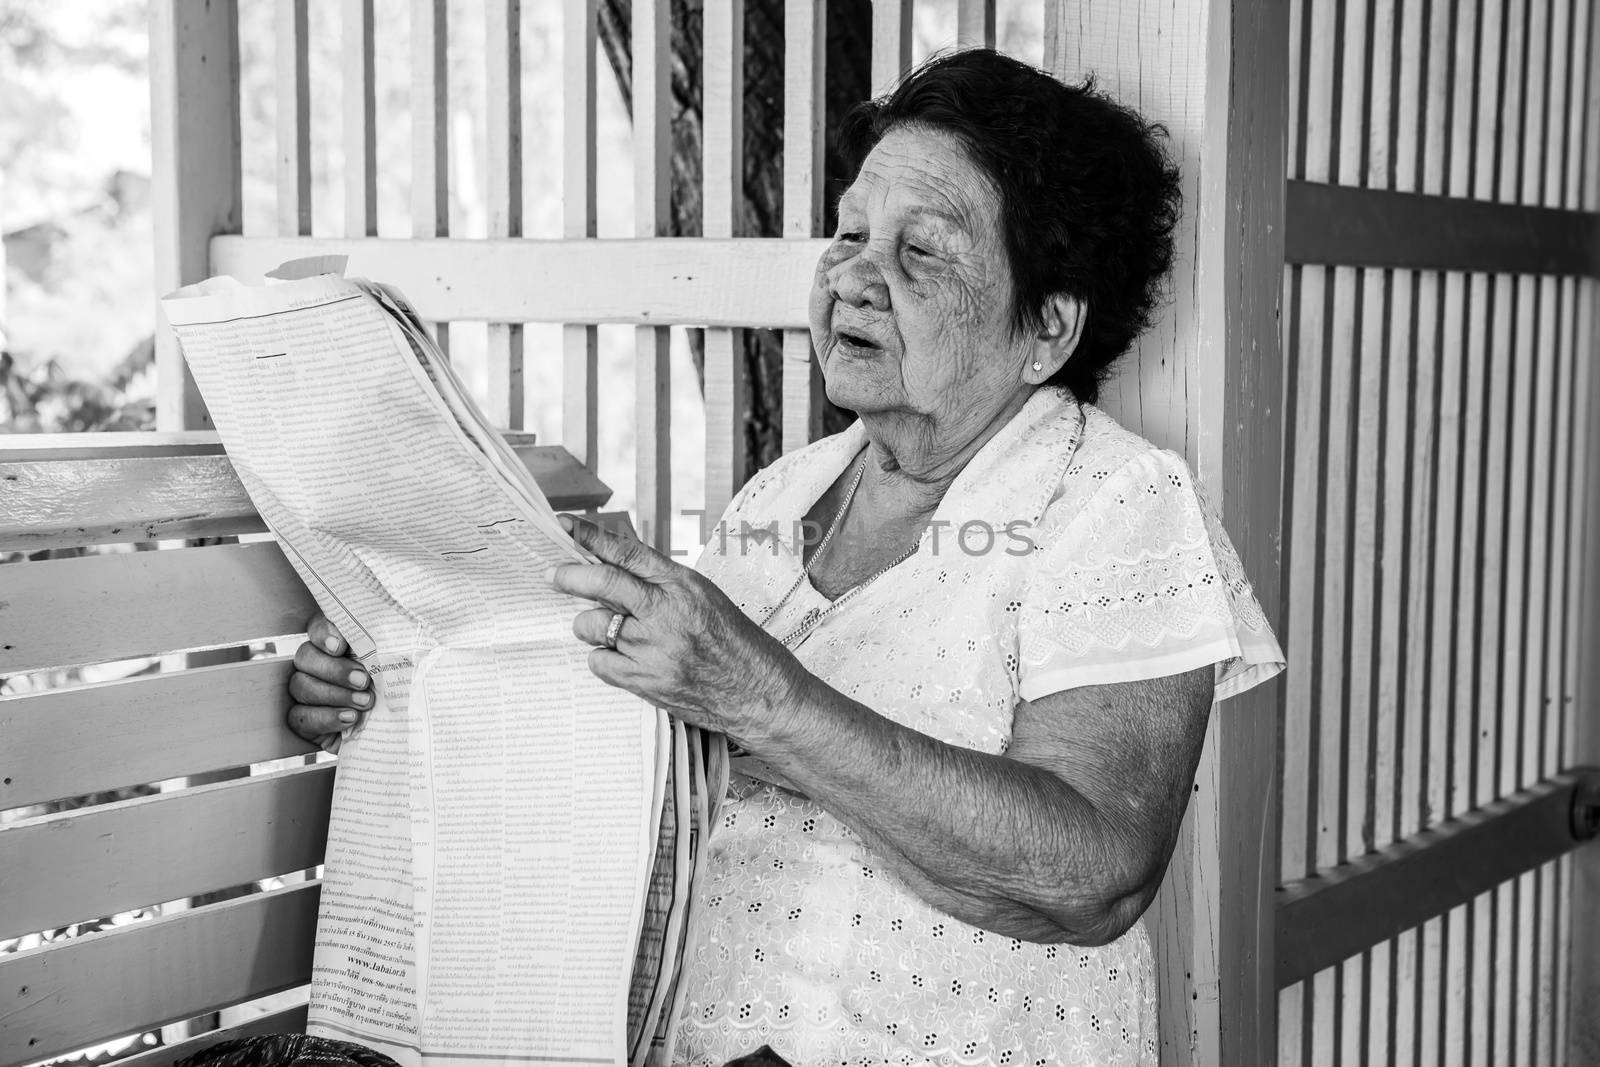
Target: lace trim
[(1138, 582)]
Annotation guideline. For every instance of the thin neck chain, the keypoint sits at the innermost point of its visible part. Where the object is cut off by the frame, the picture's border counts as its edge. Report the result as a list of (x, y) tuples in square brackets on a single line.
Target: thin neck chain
[(838, 517), (812, 618)]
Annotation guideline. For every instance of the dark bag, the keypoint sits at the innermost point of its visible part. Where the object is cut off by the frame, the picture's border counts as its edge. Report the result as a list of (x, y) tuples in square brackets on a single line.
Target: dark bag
[(761, 1057), (286, 1050), (301, 1050)]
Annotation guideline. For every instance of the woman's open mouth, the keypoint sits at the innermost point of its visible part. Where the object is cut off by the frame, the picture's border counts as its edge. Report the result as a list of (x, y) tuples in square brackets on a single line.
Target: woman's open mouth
[(856, 343)]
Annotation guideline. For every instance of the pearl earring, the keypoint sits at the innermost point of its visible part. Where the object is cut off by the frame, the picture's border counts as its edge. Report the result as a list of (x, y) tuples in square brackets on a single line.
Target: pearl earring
[(1037, 366)]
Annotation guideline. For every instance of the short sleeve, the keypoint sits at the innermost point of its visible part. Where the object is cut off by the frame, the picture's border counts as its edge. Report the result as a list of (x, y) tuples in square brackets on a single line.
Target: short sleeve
[(1137, 580)]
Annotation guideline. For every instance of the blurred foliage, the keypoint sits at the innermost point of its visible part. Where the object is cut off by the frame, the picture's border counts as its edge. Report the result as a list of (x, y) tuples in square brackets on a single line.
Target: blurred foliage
[(34, 119), (47, 399), (77, 314)]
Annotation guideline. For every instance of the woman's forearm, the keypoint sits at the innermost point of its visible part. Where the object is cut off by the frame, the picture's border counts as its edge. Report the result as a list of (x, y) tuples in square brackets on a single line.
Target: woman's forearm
[(997, 843)]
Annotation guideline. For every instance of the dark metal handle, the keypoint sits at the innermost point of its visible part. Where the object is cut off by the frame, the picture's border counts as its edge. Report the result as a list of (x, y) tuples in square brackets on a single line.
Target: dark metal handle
[(1586, 807)]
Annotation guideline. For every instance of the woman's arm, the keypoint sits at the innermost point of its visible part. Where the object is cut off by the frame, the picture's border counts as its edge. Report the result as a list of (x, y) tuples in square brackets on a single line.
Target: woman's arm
[(1064, 838)]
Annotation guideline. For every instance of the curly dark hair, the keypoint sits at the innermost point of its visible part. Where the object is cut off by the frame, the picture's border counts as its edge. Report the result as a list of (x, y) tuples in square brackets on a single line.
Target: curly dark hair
[(1089, 198)]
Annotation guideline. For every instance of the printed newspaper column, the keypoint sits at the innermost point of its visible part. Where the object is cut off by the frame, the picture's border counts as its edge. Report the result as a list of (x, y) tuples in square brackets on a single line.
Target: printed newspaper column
[(496, 815)]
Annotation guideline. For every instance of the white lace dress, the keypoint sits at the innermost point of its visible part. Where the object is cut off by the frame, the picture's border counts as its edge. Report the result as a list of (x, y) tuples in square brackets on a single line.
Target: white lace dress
[(1105, 566)]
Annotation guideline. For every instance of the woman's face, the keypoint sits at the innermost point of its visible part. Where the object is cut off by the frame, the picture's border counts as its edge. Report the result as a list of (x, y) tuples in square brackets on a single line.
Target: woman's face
[(911, 309)]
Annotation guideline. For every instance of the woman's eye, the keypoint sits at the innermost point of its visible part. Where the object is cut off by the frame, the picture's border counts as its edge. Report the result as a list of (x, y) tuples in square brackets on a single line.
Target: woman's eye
[(851, 236)]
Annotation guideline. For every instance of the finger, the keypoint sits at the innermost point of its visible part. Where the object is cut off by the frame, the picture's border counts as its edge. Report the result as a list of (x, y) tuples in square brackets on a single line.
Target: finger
[(324, 636), (611, 667), (337, 670), (629, 553), (605, 584), (590, 626), (306, 689), (315, 723)]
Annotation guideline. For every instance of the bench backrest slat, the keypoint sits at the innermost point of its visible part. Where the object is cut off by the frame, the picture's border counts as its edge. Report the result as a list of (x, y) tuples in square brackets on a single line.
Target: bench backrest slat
[(167, 846), (86, 739), (759, 284), (104, 501), (57, 613), (114, 493), (55, 999)]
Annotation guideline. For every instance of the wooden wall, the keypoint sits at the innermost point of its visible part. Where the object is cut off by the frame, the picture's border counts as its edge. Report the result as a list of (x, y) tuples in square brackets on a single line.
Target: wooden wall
[(1436, 467), (1207, 381)]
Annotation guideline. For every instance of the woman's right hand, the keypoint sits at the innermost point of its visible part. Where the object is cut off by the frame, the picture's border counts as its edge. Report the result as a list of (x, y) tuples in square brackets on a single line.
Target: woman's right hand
[(329, 690)]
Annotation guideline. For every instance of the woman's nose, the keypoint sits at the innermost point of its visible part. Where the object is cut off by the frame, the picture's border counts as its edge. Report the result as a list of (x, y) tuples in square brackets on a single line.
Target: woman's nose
[(858, 282)]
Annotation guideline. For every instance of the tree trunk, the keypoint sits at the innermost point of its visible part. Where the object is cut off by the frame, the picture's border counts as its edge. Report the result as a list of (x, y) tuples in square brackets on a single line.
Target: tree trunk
[(848, 81)]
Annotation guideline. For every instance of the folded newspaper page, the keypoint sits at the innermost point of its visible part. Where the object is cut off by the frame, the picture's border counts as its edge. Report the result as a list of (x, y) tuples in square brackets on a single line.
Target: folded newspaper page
[(512, 840)]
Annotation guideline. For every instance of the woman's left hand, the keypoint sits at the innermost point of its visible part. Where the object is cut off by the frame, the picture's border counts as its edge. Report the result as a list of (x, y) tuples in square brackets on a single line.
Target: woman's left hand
[(683, 645)]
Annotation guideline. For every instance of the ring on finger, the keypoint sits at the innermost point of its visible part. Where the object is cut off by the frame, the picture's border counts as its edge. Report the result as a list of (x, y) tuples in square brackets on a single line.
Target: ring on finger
[(614, 629)]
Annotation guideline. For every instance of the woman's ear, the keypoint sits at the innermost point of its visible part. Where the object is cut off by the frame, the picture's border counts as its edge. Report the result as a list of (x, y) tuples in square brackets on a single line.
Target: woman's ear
[(1057, 338)]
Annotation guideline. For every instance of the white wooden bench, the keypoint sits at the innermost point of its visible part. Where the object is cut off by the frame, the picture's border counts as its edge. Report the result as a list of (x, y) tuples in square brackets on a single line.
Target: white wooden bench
[(240, 818)]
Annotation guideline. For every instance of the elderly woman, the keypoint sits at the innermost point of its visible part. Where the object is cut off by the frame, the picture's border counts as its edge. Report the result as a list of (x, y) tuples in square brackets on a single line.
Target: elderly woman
[(974, 706)]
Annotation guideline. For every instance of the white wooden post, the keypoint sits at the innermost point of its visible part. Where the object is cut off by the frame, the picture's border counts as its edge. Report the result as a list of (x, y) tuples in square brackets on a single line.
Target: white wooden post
[(359, 73), (1208, 381), (580, 342), (504, 21), (3, 286), (891, 43), (194, 128), (652, 132), (195, 195), (975, 24), (722, 205), (804, 98), (292, 60), (430, 130)]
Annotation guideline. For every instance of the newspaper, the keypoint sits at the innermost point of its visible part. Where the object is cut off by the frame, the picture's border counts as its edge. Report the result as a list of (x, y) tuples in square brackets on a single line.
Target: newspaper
[(512, 840)]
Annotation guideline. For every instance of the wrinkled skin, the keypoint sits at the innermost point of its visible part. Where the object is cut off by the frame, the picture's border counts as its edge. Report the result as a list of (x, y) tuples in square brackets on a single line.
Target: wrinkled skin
[(683, 646), (917, 267)]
